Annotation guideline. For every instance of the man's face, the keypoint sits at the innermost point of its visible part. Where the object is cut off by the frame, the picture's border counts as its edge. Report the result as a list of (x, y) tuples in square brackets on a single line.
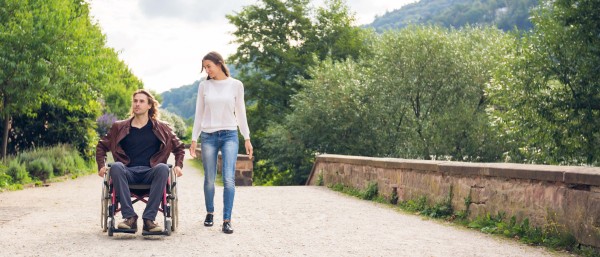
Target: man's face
[(140, 104)]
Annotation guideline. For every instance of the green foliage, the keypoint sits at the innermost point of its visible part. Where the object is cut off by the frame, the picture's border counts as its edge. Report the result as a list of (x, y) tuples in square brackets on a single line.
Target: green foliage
[(55, 64), (45, 163), (320, 179), (18, 172), (551, 235), (40, 169), (339, 187), (5, 179), (587, 251), (421, 95), (278, 42), (545, 99), (54, 125), (369, 193), (414, 205), (421, 205), (265, 173), (177, 124), (505, 15), (432, 91)]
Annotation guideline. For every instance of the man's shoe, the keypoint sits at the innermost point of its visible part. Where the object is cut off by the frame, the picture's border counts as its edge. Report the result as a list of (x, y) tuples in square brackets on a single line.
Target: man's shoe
[(208, 222), (128, 223), (150, 226), (227, 229)]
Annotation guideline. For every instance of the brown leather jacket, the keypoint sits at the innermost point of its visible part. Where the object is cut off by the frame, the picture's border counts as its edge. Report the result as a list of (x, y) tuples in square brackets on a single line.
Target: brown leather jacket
[(170, 143)]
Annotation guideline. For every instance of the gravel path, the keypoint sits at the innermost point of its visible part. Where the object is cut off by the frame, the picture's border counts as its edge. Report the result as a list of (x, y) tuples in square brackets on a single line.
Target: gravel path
[(64, 220)]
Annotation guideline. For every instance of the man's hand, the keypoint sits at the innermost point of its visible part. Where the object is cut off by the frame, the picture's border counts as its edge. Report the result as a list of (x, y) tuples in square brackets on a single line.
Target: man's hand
[(102, 172), (178, 171), (193, 149)]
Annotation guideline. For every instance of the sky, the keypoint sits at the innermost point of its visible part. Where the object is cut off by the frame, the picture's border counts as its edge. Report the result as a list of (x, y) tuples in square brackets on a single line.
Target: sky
[(163, 42)]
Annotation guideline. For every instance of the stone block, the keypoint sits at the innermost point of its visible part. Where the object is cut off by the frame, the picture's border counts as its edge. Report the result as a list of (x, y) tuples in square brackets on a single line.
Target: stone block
[(583, 176)]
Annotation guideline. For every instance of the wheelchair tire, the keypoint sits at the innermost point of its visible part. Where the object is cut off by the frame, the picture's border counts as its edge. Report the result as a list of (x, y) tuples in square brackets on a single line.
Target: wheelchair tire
[(104, 205), (173, 202), (168, 224), (174, 210), (111, 227)]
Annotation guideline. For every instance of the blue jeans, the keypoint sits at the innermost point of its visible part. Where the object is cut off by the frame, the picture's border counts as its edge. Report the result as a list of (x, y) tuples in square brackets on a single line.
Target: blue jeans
[(211, 143)]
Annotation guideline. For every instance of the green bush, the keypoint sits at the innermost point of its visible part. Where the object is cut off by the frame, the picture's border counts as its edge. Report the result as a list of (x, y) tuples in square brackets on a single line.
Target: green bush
[(176, 122), (41, 164), (371, 192), (40, 169), (5, 179), (18, 172), (59, 166)]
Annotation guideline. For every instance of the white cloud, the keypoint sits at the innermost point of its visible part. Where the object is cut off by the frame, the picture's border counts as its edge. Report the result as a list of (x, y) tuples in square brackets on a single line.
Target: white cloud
[(163, 42), (191, 10)]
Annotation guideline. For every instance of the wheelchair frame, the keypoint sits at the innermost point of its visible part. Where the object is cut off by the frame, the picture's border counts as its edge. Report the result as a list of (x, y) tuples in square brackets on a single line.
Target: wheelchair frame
[(139, 192)]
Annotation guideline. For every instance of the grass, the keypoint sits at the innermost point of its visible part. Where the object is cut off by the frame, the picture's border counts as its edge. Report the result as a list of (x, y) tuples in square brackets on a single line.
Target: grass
[(551, 235)]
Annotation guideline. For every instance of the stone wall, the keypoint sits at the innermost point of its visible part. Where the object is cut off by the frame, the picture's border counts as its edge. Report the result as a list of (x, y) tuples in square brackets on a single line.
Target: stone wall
[(565, 195), (243, 168)]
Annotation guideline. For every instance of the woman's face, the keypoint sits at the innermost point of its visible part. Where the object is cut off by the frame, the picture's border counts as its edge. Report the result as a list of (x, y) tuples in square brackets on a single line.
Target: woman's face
[(213, 70)]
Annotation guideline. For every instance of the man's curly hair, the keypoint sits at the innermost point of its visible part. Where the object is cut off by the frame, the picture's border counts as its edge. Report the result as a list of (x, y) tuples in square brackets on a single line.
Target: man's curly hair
[(153, 112)]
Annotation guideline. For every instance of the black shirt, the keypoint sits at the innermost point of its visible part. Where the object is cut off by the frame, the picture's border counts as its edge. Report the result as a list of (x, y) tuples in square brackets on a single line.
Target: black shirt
[(140, 144)]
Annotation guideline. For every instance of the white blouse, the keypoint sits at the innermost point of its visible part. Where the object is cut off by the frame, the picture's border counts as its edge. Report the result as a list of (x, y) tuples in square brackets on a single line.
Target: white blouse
[(220, 106)]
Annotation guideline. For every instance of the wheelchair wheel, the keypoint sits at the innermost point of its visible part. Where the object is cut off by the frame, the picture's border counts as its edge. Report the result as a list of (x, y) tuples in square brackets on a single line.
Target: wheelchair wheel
[(168, 224), (104, 203), (172, 199), (174, 210), (111, 226)]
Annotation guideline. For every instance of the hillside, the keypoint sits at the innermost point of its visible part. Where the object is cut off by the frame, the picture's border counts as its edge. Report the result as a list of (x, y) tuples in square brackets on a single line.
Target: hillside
[(181, 100), (504, 14)]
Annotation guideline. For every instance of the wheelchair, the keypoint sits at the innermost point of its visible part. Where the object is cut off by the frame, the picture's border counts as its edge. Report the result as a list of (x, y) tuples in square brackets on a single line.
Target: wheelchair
[(139, 192)]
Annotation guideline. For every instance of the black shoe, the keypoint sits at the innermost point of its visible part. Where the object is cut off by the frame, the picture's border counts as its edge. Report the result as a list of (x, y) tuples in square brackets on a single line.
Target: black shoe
[(208, 222), (227, 229)]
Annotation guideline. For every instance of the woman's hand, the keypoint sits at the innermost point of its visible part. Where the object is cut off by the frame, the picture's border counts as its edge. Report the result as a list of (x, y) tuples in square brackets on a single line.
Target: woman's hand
[(193, 149), (248, 148)]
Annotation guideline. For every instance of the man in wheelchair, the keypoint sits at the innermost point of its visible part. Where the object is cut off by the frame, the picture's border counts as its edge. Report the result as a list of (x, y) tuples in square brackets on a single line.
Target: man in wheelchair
[(140, 147)]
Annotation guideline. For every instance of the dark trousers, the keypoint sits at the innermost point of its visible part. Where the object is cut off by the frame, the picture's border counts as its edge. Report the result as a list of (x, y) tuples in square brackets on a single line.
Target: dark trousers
[(156, 177)]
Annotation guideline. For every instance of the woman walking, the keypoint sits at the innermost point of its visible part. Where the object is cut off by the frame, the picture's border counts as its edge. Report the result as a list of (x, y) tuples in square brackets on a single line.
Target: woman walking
[(220, 110)]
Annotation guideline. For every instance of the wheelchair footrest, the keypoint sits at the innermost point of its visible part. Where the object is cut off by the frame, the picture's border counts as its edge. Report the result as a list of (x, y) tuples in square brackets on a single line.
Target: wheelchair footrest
[(130, 231), (159, 233)]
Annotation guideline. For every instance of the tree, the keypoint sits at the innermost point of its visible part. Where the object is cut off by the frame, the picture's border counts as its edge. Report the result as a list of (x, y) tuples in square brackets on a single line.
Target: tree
[(278, 42), (53, 55), (271, 37), (548, 97), (420, 95), (566, 35), (431, 83), (29, 36)]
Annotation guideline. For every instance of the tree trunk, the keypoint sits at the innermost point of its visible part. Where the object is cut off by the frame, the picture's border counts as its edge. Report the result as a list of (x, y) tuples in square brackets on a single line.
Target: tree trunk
[(7, 123), (5, 135)]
